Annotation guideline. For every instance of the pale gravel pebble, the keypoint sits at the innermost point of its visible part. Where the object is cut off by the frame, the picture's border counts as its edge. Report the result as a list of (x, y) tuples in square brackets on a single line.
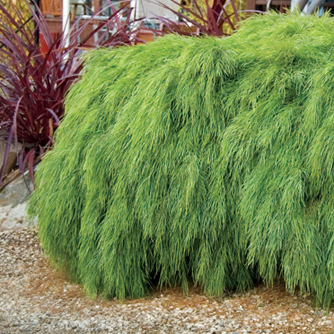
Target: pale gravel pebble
[(35, 299)]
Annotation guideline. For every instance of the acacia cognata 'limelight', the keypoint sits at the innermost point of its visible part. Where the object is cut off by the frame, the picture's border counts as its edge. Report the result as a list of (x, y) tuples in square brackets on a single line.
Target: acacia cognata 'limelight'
[(198, 159)]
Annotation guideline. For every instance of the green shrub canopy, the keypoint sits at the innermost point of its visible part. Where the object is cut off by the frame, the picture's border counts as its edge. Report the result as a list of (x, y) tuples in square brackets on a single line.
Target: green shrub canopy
[(198, 159)]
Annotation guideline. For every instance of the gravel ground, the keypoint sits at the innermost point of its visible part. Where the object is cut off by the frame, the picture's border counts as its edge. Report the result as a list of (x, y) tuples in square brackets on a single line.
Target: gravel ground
[(36, 299)]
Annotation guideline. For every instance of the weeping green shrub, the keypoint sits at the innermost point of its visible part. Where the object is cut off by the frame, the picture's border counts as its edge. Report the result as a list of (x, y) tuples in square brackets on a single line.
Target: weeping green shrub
[(198, 159)]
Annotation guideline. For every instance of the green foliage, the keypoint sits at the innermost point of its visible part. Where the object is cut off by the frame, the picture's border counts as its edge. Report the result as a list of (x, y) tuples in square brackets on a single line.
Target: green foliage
[(205, 159)]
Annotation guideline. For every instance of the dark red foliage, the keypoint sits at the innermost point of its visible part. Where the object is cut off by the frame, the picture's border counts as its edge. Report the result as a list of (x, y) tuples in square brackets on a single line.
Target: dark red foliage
[(209, 21)]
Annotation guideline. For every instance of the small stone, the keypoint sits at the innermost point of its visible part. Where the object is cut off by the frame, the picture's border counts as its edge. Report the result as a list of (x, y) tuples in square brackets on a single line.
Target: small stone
[(200, 326)]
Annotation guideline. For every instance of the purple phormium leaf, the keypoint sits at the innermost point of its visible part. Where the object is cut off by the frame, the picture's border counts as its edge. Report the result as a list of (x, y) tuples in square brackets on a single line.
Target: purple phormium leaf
[(235, 11), (54, 116), (13, 21)]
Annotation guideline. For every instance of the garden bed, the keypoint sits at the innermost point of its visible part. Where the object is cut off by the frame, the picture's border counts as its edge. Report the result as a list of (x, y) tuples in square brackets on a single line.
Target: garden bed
[(36, 299)]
